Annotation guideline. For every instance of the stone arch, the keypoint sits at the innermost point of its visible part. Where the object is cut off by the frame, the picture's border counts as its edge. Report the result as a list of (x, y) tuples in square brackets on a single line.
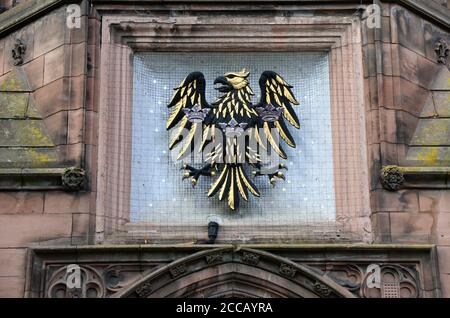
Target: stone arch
[(228, 272)]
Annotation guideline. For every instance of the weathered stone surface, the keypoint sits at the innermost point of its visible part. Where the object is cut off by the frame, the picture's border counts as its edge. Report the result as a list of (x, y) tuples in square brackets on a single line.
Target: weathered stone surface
[(381, 226), (432, 132), (429, 109), (410, 29), (28, 157), (12, 287), (35, 72), (24, 133), (21, 202), (62, 202), (428, 156), (432, 34), (12, 262), (80, 228), (441, 82), (386, 201), (50, 32), (26, 36), (442, 103), (444, 259), (51, 98), (406, 125), (411, 227), (13, 105), (14, 81), (21, 230), (445, 285), (54, 65), (412, 96), (57, 127), (75, 126)]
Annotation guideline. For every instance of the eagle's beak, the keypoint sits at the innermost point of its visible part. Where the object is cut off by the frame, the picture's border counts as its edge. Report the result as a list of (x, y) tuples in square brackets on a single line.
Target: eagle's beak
[(226, 87)]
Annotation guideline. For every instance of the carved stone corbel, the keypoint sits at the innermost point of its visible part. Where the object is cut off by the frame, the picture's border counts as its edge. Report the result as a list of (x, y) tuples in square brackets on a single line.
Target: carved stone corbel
[(442, 51), (392, 178), (18, 52), (73, 179)]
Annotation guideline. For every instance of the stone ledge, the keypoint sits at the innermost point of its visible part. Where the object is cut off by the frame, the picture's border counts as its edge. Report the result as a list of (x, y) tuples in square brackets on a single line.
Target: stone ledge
[(394, 178), (27, 11), (18, 179)]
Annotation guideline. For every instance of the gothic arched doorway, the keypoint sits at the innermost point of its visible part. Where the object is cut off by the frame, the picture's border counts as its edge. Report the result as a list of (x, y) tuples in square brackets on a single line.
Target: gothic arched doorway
[(225, 272)]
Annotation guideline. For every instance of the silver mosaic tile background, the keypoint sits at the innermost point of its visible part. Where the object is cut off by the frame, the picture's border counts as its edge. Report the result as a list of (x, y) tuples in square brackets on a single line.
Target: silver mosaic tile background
[(159, 196)]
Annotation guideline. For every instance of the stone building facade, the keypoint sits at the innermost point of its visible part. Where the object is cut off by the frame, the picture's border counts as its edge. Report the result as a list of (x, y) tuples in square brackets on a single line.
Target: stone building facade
[(66, 99)]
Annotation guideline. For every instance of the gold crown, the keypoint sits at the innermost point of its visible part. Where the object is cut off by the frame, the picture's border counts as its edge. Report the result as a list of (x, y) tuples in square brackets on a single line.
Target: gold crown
[(243, 73)]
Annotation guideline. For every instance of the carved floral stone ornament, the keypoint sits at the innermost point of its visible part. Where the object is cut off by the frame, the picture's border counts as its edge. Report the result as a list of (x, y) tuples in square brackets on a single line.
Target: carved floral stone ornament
[(18, 52), (74, 281), (322, 290), (287, 270), (389, 281), (442, 51), (250, 258), (232, 133), (73, 179), (392, 178)]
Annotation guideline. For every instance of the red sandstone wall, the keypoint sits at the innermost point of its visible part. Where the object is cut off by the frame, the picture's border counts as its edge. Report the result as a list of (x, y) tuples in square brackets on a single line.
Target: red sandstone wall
[(399, 89), (55, 63), (57, 57)]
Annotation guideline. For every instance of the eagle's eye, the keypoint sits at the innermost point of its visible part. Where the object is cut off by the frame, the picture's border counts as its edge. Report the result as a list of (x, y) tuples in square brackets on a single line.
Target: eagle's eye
[(231, 76)]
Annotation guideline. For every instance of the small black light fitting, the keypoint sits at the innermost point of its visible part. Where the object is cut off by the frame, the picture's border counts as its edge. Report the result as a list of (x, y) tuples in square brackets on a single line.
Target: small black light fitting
[(213, 231)]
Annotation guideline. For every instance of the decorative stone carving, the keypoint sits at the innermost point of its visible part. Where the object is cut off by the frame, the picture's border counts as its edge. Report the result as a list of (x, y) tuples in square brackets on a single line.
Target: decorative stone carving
[(74, 281), (73, 179), (18, 52), (442, 51), (178, 270), (144, 291), (347, 276), (390, 281), (250, 258), (287, 270), (392, 178), (215, 258), (113, 278), (322, 290)]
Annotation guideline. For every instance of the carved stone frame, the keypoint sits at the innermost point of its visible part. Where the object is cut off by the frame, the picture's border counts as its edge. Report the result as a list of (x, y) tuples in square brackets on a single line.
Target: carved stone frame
[(338, 35), (206, 270)]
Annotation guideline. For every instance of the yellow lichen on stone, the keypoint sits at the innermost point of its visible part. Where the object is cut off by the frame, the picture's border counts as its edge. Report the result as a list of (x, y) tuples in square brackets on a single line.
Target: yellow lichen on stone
[(429, 156), (38, 159)]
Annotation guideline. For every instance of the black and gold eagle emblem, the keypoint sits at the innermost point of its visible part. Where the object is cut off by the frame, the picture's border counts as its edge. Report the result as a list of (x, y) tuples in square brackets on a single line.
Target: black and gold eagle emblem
[(233, 134)]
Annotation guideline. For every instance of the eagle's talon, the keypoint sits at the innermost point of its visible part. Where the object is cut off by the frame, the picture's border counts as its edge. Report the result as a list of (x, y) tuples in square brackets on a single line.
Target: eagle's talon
[(273, 181), (197, 173)]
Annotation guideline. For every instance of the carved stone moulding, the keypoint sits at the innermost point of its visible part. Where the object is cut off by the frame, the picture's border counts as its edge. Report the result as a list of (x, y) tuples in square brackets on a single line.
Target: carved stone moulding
[(68, 179), (394, 178), (210, 272)]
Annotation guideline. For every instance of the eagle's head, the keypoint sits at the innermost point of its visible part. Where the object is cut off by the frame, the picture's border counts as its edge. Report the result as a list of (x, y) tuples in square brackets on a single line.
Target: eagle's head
[(232, 81)]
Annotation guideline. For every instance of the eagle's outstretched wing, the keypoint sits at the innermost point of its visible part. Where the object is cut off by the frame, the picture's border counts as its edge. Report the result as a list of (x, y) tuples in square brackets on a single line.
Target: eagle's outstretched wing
[(276, 100), (189, 111)]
